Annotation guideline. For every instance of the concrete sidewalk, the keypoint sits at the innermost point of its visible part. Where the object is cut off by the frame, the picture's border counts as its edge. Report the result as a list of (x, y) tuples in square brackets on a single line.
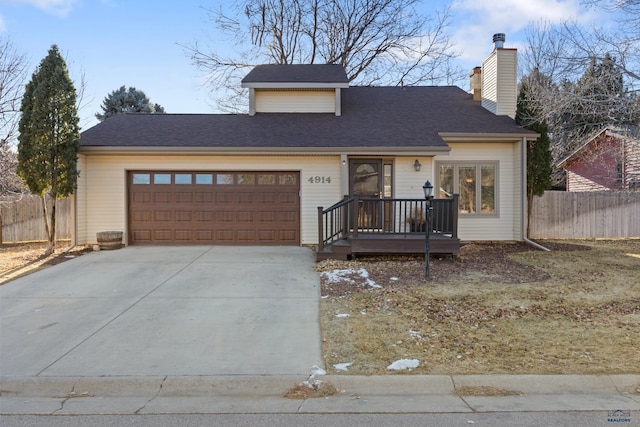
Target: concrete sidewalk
[(158, 311), (607, 395)]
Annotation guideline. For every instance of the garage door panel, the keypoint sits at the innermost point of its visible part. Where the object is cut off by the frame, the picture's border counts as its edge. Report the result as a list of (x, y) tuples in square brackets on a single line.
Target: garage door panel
[(287, 198), (287, 217), (142, 216), (224, 236), (142, 197), (214, 208), (142, 235), (204, 235), (202, 197), (162, 216), (183, 235), (204, 216), (244, 217), (162, 197), (246, 198), (244, 236), (225, 216), (184, 216), (183, 197), (266, 217), (287, 235), (224, 198), (163, 235)]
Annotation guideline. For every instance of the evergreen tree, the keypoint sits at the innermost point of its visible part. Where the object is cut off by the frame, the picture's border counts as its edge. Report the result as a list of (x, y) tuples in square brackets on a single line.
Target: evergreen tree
[(529, 114), (126, 100), (49, 135)]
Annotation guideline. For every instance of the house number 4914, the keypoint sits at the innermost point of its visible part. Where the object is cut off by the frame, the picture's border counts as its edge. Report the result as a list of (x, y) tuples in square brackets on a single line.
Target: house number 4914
[(320, 180)]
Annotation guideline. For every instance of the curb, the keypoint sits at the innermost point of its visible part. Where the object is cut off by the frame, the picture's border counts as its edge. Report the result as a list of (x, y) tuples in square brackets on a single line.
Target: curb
[(385, 385)]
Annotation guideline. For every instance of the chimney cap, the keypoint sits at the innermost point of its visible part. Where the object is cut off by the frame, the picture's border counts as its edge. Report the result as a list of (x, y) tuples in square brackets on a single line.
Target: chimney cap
[(499, 39)]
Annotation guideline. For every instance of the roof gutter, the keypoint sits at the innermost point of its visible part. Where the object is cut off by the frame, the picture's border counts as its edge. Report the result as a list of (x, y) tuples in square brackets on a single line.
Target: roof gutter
[(273, 151), (487, 137)]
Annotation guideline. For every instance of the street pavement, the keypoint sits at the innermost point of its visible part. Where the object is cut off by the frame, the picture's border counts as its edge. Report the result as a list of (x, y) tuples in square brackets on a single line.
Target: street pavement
[(225, 330)]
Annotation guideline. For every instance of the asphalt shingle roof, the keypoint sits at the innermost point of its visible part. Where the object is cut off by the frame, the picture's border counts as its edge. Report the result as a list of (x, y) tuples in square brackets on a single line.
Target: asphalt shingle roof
[(374, 117), (297, 73)]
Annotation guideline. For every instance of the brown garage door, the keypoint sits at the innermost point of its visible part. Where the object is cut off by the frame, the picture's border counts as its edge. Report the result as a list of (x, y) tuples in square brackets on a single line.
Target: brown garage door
[(250, 208)]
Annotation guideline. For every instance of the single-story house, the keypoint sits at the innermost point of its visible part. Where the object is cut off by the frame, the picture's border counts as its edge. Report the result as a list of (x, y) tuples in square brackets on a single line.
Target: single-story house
[(609, 160), (308, 140)]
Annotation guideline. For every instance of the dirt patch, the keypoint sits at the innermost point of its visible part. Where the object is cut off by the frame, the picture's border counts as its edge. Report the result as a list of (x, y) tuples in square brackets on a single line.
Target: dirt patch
[(18, 259), (498, 308), (485, 391), (303, 391), (475, 263)]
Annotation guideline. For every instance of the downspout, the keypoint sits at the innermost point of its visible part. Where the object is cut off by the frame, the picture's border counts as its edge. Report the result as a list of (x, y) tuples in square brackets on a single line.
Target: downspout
[(524, 217), (72, 226)]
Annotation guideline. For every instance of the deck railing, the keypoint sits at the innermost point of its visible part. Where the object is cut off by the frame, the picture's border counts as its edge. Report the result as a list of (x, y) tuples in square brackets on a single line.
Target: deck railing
[(354, 215)]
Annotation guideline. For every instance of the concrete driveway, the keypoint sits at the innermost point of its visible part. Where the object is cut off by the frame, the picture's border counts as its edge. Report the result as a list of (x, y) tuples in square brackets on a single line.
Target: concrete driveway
[(147, 311)]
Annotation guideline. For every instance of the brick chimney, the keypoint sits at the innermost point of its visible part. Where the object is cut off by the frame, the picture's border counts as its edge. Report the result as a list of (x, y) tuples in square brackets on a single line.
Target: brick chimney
[(498, 76), (475, 83)]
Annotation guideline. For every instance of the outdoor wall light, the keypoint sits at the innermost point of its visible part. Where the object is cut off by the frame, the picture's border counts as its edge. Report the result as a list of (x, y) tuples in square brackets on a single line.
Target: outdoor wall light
[(417, 165)]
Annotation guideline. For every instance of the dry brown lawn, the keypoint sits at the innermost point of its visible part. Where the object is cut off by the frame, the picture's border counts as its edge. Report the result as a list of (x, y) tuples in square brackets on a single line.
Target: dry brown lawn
[(497, 309), (18, 259)]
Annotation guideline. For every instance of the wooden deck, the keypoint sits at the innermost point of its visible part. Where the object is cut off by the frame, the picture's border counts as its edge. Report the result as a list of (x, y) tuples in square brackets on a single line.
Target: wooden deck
[(388, 232), (371, 244)]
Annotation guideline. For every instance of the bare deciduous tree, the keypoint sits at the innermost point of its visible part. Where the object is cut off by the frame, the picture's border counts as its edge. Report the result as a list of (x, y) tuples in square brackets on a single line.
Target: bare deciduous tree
[(594, 78), (377, 41), (13, 74)]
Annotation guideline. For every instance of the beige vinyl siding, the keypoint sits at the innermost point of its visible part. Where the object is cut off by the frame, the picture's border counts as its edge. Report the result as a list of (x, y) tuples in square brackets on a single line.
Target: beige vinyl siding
[(103, 191), (519, 204), (79, 227), (295, 101), (408, 183), (499, 88), (506, 225)]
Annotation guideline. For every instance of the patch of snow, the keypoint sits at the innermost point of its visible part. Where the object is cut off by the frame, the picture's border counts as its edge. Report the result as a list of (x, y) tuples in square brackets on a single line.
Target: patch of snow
[(415, 334), (365, 275), (401, 364), (317, 370), (336, 276), (342, 366), (324, 297), (312, 382), (394, 279), (342, 315)]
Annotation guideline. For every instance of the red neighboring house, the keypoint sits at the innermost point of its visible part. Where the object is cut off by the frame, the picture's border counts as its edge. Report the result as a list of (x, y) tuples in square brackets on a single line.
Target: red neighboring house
[(610, 160)]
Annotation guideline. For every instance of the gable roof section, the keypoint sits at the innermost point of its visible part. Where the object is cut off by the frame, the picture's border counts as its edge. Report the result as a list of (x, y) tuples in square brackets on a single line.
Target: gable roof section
[(629, 132), (373, 119), (296, 76)]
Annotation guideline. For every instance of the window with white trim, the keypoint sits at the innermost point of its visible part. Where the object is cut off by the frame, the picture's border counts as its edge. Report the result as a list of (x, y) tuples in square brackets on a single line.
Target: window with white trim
[(475, 182)]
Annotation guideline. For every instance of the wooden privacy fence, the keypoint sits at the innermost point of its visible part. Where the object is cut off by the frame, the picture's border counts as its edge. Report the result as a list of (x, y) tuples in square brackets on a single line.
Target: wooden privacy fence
[(569, 215), (22, 220)]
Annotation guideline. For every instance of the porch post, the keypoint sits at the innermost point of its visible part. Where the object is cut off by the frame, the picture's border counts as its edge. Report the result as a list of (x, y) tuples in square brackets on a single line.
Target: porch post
[(344, 174), (320, 230)]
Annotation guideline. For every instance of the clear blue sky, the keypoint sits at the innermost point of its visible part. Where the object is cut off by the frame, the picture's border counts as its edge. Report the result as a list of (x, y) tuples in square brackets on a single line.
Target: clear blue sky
[(137, 43)]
